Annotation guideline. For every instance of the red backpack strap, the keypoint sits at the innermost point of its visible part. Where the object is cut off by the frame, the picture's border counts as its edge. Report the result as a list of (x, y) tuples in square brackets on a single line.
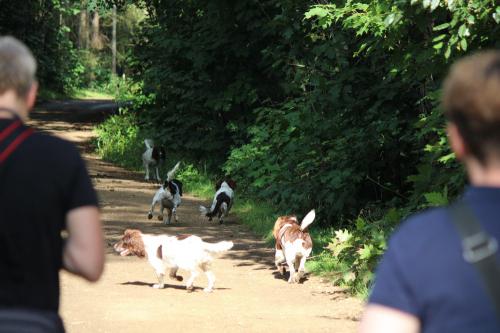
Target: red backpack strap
[(18, 139)]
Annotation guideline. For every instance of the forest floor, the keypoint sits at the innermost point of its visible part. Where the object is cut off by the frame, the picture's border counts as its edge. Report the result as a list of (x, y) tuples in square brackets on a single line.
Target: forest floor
[(249, 295)]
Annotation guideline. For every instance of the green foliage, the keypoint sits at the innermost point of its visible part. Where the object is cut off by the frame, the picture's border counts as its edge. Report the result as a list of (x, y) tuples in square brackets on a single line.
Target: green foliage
[(197, 182), (333, 106), (257, 215), (120, 140), (40, 26), (351, 255)]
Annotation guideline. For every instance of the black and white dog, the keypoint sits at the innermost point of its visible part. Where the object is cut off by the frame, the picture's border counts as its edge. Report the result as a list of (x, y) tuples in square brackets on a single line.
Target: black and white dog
[(223, 200), (154, 156), (168, 196)]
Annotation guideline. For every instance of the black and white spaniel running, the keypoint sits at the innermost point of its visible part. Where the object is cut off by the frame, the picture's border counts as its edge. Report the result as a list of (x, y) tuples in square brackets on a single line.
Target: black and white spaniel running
[(168, 196), (223, 200), (154, 156)]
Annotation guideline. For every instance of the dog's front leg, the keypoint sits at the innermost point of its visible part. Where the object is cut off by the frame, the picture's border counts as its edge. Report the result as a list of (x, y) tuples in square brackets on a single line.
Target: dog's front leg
[(146, 167), (221, 215), (174, 211), (152, 209), (290, 262), (279, 259), (162, 208), (177, 202), (169, 216), (189, 283), (173, 274), (158, 175), (160, 284), (210, 277), (302, 268)]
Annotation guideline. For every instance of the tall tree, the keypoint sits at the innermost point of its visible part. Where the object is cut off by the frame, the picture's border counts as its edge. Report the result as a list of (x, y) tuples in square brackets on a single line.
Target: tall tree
[(83, 27), (96, 41), (113, 42)]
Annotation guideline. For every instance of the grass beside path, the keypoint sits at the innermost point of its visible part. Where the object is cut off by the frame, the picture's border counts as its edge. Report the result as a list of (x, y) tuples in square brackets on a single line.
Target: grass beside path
[(91, 94), (86, 93)]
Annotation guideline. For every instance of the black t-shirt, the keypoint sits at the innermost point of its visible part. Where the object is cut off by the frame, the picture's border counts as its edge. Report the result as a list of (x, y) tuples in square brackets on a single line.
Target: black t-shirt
[(39, 183)]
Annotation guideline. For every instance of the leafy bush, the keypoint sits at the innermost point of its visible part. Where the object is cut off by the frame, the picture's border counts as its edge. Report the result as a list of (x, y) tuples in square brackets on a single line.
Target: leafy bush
[(351, 255), (120, 140), (332, 106)]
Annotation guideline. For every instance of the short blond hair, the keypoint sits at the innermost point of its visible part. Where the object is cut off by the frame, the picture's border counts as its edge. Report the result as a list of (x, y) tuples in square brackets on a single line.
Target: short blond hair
[(17, 66), (471, 100)]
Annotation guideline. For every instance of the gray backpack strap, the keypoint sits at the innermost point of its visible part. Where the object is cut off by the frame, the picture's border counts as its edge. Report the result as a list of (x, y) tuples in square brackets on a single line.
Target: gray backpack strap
[(479, 250)]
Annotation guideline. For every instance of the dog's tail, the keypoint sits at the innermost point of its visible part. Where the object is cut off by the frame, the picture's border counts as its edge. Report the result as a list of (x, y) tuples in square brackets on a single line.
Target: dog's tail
[(171, 173), (219, 247), (308, 219), (149, 143), (203, 211)]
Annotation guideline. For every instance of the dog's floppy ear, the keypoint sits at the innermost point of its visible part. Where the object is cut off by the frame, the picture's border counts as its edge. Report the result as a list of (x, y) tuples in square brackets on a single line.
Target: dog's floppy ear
[(159, 254), (231, 183), (307, 220)]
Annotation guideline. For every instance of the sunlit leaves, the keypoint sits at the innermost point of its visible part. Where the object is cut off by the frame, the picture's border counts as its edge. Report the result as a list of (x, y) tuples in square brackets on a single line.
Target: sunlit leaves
[(322, 14), (392, 18), (437, 198), (496, 15)]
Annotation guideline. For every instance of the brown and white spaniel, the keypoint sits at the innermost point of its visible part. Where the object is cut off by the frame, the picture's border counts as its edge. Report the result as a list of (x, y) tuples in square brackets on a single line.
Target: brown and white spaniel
[(293, 244), (187, 252)]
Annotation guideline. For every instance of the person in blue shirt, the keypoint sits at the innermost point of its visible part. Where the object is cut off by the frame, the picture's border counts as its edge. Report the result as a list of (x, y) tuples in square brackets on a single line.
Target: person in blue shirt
[(423, 283)]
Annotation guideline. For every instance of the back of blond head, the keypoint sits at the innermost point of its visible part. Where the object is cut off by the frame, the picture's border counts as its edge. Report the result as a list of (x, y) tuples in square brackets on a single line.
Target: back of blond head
[(17, 66), (471, 100)]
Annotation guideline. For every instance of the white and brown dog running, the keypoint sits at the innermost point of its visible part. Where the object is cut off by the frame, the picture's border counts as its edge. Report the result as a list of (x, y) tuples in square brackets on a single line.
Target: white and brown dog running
[(293, 244), (164, 252), (223, 200), (154, 156), (168, 196)]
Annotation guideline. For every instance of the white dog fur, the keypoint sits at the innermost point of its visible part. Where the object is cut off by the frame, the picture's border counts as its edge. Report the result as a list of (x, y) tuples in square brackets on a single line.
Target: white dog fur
[(164, 252), (153, 156), (166, 199), (293, 244), (221, 204)]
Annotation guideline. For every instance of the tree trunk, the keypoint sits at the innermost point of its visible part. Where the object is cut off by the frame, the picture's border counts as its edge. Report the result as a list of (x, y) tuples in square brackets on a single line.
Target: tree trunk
[(113, 43), (96, 39), (83, 30)]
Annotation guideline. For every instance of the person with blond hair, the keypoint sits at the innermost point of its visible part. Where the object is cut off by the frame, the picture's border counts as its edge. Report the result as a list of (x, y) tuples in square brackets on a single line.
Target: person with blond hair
[(45, 190), (441, 271)]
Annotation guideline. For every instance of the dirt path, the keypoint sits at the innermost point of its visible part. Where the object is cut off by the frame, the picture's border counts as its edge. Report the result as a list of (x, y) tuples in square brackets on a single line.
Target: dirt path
[(249, 296)]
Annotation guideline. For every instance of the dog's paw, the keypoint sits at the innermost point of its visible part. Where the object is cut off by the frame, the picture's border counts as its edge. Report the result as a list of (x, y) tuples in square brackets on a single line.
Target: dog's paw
[(158, 286), (176, 277), (190, 288), (208, 290), (150, 216), (291, 280), (160, 217)]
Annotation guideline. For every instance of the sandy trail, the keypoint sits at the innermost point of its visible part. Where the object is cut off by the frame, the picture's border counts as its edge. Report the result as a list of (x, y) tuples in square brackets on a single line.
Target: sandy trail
[(249, 295)]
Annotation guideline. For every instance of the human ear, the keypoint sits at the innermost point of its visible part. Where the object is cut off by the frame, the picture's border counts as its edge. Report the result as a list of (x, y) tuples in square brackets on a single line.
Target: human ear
[(457, 142)]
